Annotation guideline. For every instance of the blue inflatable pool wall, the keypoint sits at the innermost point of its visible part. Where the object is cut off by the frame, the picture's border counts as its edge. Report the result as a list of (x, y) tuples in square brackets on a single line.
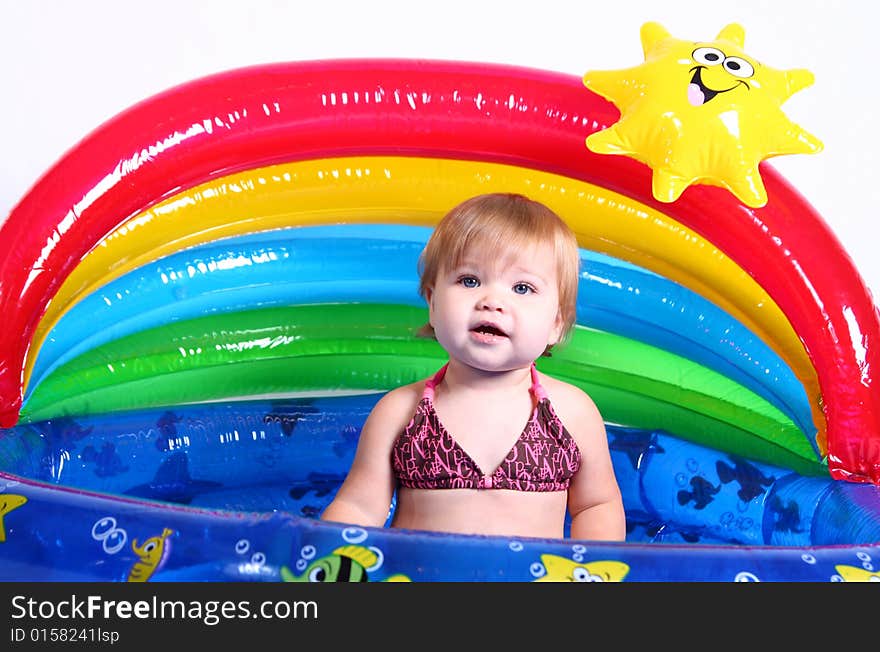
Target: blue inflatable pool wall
[(232, 492)]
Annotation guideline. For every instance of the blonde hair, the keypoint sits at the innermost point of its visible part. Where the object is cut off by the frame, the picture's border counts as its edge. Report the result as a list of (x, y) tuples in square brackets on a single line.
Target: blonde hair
[(499, 223)]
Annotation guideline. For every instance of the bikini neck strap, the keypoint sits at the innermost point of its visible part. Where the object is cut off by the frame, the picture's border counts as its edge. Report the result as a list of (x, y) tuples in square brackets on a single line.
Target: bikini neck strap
[(537, 389)]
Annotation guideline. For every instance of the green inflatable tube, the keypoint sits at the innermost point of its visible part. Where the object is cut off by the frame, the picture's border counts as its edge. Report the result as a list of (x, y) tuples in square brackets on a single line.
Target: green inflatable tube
[(327, 348)]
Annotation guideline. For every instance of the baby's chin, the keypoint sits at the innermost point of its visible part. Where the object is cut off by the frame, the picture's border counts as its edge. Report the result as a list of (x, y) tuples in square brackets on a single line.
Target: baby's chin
[(488, 366)]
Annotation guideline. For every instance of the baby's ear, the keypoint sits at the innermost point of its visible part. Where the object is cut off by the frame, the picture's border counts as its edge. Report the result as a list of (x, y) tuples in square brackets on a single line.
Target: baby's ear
[(555, 335), (558, 327), (429, 296)]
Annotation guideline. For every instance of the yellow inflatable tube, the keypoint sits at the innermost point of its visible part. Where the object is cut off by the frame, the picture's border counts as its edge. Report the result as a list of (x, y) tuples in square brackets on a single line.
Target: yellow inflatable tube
[(418, 190)]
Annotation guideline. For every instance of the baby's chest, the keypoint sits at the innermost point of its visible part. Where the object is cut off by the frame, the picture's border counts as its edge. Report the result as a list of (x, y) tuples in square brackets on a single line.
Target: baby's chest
[(486, 434)]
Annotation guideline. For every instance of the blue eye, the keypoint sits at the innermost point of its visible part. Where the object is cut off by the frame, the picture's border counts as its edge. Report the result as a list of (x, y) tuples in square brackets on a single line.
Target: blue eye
[(522, 288), (469, 281)]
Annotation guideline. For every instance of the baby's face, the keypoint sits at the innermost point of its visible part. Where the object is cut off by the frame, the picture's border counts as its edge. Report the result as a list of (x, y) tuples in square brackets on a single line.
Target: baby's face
[(498, 312)]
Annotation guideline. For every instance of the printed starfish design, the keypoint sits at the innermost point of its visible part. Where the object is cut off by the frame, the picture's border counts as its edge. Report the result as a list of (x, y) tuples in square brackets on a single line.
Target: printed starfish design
[(8, 502)]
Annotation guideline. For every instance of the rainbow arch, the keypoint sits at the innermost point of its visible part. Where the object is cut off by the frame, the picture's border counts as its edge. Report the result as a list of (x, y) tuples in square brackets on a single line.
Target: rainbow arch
[(399, 141)]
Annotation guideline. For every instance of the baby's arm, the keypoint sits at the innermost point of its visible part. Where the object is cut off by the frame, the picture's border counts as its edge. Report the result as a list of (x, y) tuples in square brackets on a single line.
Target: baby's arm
[(365, 496), (594, 500)]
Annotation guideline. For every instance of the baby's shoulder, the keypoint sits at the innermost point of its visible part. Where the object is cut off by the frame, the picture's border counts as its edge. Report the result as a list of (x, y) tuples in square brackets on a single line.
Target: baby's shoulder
[(403, 399), (570, 402), (561, 390), (406, 392), (390, 415)]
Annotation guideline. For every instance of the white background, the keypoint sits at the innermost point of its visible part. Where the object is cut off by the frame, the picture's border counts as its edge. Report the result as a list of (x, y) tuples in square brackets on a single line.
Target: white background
[(70, 65)]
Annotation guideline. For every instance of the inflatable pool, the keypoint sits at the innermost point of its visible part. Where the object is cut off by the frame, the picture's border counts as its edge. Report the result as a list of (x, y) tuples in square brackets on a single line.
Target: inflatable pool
[(205, 297)]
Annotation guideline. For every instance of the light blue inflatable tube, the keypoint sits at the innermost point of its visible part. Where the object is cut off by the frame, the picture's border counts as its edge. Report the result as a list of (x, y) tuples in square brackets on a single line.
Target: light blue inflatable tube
[(378, 263), (282, 267)]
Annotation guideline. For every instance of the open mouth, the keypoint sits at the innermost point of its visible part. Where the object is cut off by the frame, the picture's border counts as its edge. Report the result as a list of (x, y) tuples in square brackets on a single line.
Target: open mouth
[(489, 330), (699, 93)]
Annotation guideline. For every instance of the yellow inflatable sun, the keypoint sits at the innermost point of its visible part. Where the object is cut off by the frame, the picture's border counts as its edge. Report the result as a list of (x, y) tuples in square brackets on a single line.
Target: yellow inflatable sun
[(701, 113)]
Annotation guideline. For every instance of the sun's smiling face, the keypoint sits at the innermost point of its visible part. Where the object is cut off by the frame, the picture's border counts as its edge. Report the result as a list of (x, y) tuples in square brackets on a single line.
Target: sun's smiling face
[(714, 72), (701, 112)]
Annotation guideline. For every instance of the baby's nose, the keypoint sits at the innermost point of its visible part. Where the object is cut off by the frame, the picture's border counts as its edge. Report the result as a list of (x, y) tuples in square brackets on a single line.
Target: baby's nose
[(491, 301)]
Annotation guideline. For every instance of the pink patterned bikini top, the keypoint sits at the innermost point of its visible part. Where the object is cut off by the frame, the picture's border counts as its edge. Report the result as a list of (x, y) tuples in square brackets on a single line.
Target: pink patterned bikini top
[(544, 458)]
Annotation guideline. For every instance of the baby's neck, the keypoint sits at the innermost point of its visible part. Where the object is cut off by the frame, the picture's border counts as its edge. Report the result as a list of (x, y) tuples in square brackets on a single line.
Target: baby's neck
[(461, 377)]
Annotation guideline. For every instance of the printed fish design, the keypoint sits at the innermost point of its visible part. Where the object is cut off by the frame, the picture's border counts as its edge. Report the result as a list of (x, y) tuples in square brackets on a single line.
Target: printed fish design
[(345, 564), (152, 553), (288, 416), (749, 477), (64, 432), (319, 482), (107, 462), (561, 569), (168, 438), (172, 482), (787, 515), (856, 574), (702, 493), (8, 502), (635, 444), (62, 435)]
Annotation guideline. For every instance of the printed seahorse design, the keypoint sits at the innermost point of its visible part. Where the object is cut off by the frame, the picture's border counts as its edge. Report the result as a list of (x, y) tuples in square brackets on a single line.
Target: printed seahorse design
[(8, 502), (561, 569), (152, 553)]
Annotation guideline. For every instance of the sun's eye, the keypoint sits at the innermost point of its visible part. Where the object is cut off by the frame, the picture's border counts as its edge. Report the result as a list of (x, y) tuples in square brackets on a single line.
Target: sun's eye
[(708, 56), (738, 67), (523, 288), (469, 281)]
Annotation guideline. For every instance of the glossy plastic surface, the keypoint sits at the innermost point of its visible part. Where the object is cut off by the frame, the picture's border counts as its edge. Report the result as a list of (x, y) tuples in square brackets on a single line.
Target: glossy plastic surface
[(267, 114), (82, 497)]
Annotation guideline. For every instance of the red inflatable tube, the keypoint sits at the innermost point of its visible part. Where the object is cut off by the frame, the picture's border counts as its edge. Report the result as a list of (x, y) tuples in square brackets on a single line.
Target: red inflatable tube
[(532, 118)]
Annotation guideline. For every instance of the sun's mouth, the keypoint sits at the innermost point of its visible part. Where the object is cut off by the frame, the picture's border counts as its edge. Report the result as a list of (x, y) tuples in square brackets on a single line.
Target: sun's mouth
[(698, 93)]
